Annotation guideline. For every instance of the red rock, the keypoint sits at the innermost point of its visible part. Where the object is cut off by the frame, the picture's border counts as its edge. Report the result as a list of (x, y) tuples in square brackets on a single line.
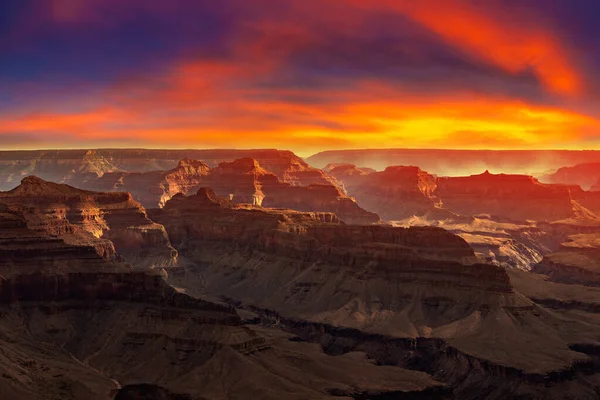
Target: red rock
[(62, 210), (584, 175), (516, 197)]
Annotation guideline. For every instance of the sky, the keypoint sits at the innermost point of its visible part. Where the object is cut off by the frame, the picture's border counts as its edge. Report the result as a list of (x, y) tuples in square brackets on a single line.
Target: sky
[(304, 75)]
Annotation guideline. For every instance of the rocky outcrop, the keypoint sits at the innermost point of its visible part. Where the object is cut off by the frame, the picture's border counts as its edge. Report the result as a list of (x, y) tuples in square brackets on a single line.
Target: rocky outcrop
[(244, 181), (309, 265), (584, 175), (82, 216), (378, 285), (77, 326), (577, 261), (155, 188), (516, 197), (347, 173), (402, 192), (396, 193), (311, 236)]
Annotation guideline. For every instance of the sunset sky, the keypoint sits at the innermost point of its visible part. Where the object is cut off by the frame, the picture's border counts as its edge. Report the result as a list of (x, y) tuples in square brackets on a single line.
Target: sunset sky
[(305, 75)]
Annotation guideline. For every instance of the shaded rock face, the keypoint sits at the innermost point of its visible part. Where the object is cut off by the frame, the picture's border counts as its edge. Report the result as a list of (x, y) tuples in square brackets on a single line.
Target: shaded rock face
[(247, 182), (99, 219), (74, 326), (402, 296), (293, 261), (576, 261), (309, 234)]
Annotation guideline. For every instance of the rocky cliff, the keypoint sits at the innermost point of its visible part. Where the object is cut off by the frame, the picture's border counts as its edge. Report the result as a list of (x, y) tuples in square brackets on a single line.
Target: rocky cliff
[(396, 193), (516, 197), (400, 192), (246, 181), (75, 325), (154, 188), (310, 265), (83, 216), (404, 296)]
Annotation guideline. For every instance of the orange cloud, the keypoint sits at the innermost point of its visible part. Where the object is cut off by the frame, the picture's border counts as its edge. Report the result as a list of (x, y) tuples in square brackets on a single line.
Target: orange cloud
[(193, 113), (494, 35)]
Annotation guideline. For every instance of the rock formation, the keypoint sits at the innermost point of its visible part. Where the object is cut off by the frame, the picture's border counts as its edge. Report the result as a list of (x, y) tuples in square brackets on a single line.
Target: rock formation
[(332, 256), (584, 175), (394, 293), (76, 167), (77, 325), (396, 193), (84, 216), (155, 188), (245, 181)]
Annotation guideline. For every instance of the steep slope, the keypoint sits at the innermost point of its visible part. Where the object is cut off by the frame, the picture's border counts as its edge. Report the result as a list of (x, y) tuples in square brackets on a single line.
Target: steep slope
[(77, 326), (405, 296), (64, 211)]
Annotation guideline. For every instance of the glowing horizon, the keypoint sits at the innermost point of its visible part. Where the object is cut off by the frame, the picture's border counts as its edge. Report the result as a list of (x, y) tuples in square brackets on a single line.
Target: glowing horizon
[(300, 75)]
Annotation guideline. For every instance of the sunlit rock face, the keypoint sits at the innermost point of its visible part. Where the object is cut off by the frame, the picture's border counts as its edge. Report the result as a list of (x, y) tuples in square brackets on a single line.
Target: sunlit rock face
[(79, 215), (78, 167)]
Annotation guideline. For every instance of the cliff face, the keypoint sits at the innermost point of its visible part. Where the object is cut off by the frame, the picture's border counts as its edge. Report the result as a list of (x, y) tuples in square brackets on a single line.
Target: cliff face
[(576, 261), (401, 192), (84, 216), (517, 197), (396, 193), (292, 185), (155, 188), (397, 294), (309, 265), (245, 181), (309, 235), (76, 326)]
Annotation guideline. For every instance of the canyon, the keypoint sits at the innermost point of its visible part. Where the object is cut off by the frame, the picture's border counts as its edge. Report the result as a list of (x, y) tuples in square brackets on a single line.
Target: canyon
[(405, 296), (77, 323), (226, 278)]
